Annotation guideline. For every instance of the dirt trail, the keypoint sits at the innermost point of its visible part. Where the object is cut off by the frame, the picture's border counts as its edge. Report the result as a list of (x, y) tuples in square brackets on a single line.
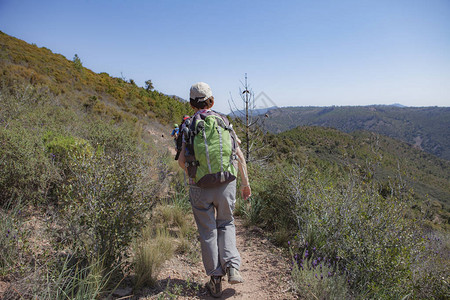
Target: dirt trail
[(264, 268)]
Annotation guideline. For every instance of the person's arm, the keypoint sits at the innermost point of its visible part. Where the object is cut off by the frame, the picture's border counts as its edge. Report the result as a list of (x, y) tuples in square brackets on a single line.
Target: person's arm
[(246, 191)]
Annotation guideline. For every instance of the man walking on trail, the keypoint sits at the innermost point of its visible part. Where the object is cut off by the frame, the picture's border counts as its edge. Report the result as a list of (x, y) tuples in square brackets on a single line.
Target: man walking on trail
[(211, 156)]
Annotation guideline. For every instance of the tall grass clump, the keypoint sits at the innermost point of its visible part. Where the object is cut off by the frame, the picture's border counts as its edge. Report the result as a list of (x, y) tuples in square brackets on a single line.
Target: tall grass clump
[(173, 215), (152, 249), (250, 210), (75, 281), (180, 199), (62, 277)]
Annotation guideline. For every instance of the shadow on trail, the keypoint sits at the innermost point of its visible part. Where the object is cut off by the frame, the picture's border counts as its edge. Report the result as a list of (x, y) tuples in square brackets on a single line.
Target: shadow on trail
[(174, 288)]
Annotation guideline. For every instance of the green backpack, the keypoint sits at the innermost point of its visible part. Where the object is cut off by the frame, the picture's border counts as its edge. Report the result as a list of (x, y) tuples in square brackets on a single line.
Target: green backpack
[(210, 149)]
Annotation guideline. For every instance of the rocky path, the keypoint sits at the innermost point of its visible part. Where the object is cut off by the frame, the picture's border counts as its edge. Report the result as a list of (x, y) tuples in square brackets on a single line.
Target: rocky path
[(264, 268)]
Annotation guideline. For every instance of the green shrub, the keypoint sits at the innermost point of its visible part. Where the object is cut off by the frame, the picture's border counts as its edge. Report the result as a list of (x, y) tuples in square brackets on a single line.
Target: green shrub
[(352, 223), (66, 149), (106, 203), (269, 206), (430, 268), (25, 169), (347, 217)]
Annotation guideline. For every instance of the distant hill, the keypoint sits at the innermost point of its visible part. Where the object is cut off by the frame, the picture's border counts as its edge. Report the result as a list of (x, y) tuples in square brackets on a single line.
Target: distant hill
[(426, 128), (255, 112), (398, 105)]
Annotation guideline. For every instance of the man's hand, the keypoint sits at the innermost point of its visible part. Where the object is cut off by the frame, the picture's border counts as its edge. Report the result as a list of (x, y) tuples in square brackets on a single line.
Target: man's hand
[(246, 192)]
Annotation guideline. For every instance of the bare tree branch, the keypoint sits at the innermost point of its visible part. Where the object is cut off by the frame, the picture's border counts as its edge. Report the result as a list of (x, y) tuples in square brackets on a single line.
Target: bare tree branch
[(252, 123)]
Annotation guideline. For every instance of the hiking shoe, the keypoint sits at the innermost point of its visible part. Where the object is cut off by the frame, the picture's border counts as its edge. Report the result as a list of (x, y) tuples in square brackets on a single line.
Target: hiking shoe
[(214, 286), (234, 276)]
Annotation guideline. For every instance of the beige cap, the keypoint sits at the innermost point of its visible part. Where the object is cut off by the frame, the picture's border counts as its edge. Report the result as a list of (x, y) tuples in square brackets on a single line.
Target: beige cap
[(200, 91)]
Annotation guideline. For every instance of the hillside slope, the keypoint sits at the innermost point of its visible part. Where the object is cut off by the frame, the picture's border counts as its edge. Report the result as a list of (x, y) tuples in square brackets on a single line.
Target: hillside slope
[(426, 128), (375, 155), (79, 87)]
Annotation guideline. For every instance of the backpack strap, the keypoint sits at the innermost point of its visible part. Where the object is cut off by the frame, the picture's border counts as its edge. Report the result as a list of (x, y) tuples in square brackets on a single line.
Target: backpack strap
[(222, 176), (207, 152)]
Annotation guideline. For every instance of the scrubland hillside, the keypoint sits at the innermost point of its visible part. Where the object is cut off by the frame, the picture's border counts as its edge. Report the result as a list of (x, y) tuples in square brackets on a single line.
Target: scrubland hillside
[(79, 87), (83, 169), (92, 200), (376, 156)]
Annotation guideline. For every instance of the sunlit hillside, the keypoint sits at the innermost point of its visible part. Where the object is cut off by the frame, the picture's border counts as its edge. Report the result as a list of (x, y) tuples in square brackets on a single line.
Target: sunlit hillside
[(79, 87)]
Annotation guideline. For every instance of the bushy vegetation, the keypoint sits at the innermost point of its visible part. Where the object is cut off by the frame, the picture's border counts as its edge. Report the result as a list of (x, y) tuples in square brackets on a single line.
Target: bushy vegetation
[(354, 224), (94, 177), (74, 150), (350, 235), (318, 278), (25, 169), (108, 198), (331, 150), (363, 215)]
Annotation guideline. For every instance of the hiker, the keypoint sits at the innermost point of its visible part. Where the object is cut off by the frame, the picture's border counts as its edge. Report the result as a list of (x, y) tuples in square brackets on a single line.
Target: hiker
[(211, 156), (179, 139), (174, 133)]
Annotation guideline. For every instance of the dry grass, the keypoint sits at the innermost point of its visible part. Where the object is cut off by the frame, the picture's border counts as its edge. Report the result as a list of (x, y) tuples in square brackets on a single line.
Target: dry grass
[(152, 250)]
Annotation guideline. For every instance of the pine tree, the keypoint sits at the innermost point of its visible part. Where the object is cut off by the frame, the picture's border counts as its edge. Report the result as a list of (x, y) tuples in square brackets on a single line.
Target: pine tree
[(149, 85)]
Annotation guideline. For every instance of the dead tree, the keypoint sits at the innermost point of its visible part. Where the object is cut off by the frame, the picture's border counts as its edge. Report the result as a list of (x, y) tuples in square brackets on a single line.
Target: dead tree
[(252, 123)]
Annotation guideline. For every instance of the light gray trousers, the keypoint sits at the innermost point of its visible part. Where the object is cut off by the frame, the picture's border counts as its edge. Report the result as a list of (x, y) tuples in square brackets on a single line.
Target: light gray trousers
[(213, 213)]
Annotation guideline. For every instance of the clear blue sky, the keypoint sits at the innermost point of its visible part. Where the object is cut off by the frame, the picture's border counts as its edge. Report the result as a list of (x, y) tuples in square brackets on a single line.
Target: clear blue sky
[(341, 52)]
